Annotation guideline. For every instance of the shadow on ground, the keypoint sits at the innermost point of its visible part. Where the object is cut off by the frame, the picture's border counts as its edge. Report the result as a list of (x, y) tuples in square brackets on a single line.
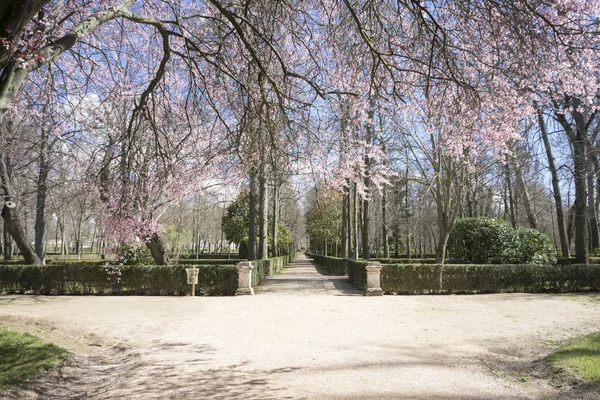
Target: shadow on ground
[(122, 374)]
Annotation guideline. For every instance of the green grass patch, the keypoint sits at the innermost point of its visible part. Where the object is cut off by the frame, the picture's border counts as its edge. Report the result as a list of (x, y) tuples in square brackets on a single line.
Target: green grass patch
[(582, 357), (23, 356)]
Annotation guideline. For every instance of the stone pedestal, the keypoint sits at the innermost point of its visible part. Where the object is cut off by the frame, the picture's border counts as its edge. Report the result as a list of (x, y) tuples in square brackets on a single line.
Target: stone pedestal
[(244, 278), (373, 279)]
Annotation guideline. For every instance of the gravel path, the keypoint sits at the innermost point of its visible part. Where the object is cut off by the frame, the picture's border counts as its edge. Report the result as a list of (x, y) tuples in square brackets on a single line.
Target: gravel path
[(302, 336)]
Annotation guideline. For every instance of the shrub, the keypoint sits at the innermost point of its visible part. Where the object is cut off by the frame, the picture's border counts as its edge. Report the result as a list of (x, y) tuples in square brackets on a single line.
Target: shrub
[(200, 261), (492, 241), (135, 255), (534, 247), (91, 278), (357, 274), (481, 241), (264, 268), (489, 278)]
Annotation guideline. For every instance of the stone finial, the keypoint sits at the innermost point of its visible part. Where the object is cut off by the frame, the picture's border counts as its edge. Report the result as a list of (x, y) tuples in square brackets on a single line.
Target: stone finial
[(373, 279), (244, 278)]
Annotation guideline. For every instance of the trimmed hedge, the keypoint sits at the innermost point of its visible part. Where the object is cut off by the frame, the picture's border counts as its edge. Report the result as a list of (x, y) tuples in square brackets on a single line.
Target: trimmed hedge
[(471, 278), (332, 265), (230, 256), (490, 278), (357, 274), (199, 261), (405, 260), (272, 266), (90, 278)]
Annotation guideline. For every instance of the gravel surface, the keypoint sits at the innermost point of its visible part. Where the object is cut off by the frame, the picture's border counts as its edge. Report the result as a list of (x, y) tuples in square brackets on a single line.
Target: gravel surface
[(304, 335)]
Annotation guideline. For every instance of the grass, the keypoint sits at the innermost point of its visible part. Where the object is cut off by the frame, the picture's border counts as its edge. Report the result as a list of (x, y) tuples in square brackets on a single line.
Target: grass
[(582, 357), (23, 356)]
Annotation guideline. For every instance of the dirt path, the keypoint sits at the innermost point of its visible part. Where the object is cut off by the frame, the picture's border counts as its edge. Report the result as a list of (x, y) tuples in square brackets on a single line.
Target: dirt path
[(302, 336)]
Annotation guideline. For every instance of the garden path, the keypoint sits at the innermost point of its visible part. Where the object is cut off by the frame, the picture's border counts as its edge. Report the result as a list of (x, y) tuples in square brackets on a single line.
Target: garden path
[(303, 336), (301, 277)]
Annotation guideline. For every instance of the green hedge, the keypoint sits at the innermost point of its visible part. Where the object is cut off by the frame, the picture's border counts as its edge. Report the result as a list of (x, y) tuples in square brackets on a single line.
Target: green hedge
[(491, 278), (272, 266), (332, 265), (405, 260), (199, 261), (225, 256), (90, 278)]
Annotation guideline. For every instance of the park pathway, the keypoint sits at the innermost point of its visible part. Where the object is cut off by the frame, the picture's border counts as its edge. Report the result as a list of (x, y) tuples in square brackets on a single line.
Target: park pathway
[(302, 277)]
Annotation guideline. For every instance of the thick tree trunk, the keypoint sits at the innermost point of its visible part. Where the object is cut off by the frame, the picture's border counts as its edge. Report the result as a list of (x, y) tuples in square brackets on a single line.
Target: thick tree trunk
[(253, 218), (6, 242), (42, 187), (594, 241), (511, 202), (440, 252), (365, 230), (275, 219), (578, 139), (12, 222), (263, 245), (156, 245), (384, 222), (560, 218), (349, 220), (531, 219), (345, 229), (355, 227)]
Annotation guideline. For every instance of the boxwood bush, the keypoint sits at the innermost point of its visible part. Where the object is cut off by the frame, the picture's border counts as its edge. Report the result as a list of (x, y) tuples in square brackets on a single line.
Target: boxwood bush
[(492, 241), (489, 278), (272, 266), (91, 278)]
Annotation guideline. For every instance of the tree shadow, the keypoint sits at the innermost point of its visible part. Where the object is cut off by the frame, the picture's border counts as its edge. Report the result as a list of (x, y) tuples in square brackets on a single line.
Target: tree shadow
[(125, 374)]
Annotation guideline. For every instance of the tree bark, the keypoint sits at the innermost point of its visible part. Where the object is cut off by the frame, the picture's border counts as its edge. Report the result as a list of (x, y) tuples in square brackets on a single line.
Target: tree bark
[(384, 222), (355, 226), (253, 218), (275, 219), (531, 219), (578, 138), (263, 249), (42, 188), (156, 245), (345, 230), (560, 217), (12, 222), (511, 202), (6, 242)]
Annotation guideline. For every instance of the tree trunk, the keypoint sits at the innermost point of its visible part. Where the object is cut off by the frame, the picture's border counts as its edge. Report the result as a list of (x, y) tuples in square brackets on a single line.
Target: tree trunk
[(578, 139), (560, 217), (355, 227), (531, 219), (345, 224), (42, 187), (6, 242), (156, 244), (440, 253), (365, 230), (253, 218), (349, 220), (591, 192), (263, 245), (511, 202), (275, 223), (12, 222), (384, 228)]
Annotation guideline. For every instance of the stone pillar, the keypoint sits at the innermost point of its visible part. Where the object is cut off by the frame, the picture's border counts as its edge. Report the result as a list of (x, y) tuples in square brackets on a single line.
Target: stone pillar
[(244, 278), (373, 279)]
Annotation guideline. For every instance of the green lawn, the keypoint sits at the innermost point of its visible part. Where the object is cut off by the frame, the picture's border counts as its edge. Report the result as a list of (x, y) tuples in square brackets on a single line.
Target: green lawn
[(23, 356), (581, 357)]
